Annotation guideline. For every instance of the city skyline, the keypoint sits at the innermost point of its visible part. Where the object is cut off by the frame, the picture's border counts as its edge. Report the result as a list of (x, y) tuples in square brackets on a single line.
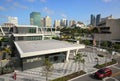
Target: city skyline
[(71, 10)]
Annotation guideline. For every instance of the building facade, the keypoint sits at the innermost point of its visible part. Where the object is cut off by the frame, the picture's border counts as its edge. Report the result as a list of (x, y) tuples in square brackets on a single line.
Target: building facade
[(92, 20), (98, 19), (72, 22), (35, 19), (13, 20), (57, 23), (63, 23), (32, 53), (109, 30), (48, 21)]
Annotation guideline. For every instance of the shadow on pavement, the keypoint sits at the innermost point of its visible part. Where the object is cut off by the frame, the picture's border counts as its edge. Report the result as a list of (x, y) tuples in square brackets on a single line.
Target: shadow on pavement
[(92, 76)]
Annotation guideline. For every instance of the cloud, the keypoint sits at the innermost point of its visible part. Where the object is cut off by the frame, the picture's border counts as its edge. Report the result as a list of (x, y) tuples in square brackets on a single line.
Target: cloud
[(31, 0), (43, 1), (2, 8), (63, 15), (36, 0), (9, 0), (48, 11), (19, 5), (107, 1)]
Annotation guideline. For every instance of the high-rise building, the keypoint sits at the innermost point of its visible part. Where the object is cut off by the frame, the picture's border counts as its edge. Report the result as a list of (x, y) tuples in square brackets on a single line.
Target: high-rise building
[(13, 20), (57, 23), (48, 21), (42, 22), (72, 22), (63, 23), (35, 19), (98, 19), (93, 20)]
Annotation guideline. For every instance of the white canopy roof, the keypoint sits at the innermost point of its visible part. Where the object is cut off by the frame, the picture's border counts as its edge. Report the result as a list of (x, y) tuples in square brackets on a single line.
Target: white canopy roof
[(41, 47)]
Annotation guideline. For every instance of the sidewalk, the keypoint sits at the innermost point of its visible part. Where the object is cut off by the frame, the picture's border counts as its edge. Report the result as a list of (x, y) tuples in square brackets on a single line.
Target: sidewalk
[(60, 69)]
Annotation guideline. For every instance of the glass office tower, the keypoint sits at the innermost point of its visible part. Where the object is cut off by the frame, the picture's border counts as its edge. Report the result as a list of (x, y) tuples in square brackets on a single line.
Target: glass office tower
[(35, 19)]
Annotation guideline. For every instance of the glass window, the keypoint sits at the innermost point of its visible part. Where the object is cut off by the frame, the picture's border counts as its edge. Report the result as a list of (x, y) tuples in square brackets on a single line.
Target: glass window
[(20, 38)]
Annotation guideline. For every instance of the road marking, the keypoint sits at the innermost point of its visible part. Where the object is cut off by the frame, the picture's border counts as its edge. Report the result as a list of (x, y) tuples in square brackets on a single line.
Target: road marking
[(115, 67), (107, 78), (115, 74)]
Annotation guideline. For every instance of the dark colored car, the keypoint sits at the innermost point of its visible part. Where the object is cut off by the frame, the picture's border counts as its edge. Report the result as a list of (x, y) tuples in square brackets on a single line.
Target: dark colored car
[(104, 72)]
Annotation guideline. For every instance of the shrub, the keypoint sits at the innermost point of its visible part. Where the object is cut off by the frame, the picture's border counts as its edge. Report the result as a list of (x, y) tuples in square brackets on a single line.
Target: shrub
[(70, 76), (7, 70), (98, 66)]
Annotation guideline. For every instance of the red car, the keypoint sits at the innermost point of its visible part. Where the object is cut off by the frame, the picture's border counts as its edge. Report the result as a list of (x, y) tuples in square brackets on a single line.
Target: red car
[(104, 72)]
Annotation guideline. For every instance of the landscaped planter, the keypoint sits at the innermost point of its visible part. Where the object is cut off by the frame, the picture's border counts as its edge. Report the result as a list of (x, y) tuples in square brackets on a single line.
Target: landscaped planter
[(6, 70), (70, 76), (98, 66)]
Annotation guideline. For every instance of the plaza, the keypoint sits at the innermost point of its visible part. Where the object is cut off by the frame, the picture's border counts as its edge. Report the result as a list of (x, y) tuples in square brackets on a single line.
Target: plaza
[(60, 69)]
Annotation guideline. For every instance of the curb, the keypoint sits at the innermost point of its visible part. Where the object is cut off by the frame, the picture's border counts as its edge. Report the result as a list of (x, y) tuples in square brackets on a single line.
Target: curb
[(82, 75), (113, 64)]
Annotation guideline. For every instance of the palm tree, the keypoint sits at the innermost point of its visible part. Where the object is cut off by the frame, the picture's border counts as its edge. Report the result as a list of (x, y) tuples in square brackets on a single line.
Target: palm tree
[(48, 68), (8, 51), (83, 62), (78, 58)]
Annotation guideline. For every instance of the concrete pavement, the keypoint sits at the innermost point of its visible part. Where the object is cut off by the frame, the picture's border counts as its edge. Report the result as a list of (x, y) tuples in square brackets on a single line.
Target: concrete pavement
[(61, 69)]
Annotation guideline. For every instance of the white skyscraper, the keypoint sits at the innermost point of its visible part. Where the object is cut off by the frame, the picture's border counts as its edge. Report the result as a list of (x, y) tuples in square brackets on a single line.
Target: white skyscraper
[(48, 21), (57, 23), (13, 20)]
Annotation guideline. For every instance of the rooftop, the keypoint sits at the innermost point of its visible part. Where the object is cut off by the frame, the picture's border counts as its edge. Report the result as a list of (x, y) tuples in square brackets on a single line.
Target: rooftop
[(32, 48)]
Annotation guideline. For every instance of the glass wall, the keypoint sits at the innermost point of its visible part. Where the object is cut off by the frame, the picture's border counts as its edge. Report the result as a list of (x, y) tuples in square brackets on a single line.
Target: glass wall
[(57, 57), (33, 30), (29, 38)]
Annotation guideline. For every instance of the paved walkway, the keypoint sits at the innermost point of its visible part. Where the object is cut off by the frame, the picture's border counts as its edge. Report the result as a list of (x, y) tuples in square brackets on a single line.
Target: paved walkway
[(60, 69)]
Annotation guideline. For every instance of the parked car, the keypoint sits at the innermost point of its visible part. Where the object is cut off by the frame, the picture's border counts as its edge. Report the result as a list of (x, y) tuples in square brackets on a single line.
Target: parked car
[(102, 73)]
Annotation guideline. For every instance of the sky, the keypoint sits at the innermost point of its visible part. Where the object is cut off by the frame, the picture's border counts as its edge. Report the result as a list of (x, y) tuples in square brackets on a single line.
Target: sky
[(79, 10)]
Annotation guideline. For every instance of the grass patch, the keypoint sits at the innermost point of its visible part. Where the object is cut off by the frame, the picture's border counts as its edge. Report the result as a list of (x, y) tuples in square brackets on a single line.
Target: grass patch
[(98, 66), (70, 76)]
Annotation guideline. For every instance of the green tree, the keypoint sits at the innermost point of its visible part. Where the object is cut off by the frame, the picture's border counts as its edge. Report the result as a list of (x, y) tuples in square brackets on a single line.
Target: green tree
[(47, 68), (86, 42), (78, 59), (7, 50), (104, 44), (116, 46), (95, 30)]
